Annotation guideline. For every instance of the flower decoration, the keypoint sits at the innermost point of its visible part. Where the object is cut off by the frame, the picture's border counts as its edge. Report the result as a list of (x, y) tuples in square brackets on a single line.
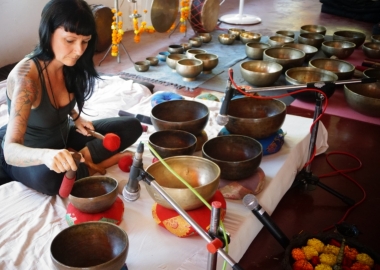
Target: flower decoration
[(184, 15), (143, 28), (117, 31)]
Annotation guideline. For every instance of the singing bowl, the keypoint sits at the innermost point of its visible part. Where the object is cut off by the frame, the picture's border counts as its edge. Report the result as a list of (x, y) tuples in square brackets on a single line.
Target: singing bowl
[(172, 60), (313, 28), (94, 194), (278, 41), (256, 118), (285, 33), (188, 115), (162, 56), (344, 70), (168, 143), (255, 50), (175, 49), (247, 37), (236, 32), (339, 48), (186, 46), (286, 57), (304, 75), (364, 97), (189, 69), (210, 61), (142, 66), (226, 39), (90, 245), (353, 36), (309, 50), (153, 61), (313, 39), (375, 38), (237, 156), (260, 73), (206, 37), (195, 41), (192, 52), (372, 73), (371, 50), (201, 174)]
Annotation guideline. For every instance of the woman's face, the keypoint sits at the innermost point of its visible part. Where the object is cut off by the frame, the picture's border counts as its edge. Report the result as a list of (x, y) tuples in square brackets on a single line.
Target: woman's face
[(68, 47)]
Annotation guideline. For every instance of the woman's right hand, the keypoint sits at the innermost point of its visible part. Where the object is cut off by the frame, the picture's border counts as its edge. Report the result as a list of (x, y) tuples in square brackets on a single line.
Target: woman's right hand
[(60, 160)]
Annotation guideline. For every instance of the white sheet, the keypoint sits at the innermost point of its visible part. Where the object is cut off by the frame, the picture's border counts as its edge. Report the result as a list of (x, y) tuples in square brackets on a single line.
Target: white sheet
[(29, 220)]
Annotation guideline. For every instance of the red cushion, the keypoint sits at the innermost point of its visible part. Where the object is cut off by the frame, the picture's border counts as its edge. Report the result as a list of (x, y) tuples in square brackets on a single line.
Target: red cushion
[(112, 215), (177, 225)]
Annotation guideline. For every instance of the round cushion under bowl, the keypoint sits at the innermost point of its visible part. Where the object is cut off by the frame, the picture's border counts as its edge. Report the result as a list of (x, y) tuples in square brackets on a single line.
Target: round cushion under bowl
[(256, 118), (304, 75), (202, 174), (364, 97), (237, 156), (260, 73), (168, 143), (94, 194), (91, 246), (188, 115), (344, 70)]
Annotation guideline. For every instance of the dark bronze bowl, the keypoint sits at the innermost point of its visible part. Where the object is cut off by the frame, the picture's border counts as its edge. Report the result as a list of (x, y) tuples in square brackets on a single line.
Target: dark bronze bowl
[(94, 194), (188, 115), (356, 37), (364, 97), (344, 70), (168, 143), (237, 156), (372, 73), (256, 118), (90, 245)]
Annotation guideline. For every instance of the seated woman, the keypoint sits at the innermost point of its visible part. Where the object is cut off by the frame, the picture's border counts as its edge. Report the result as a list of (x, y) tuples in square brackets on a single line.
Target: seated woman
[(46, 92)]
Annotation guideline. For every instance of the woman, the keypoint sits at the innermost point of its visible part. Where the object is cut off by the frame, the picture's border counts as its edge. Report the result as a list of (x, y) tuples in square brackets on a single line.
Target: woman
[(42, 91)]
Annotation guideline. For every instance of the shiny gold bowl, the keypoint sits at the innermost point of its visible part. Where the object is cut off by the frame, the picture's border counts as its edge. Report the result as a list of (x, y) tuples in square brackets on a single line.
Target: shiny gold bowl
[(309, 50), (237, 156), (236, 32), (286, 57), (196, 42), (202, 174), (344, 70), (247, 37), (206, 37), (313, 39), (189, 69), (226, 39), (313, 28), (255, 50), (371, 50), (152, 60), (260, 73), (91, 246), (339, 48), (278, 41), (353, 36), (364, 97), (94, 194), (210, 61)]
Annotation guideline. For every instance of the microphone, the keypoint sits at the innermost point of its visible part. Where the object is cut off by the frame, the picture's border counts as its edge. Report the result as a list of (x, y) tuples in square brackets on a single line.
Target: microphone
[(222, 118), (131, 191), (250, 201)]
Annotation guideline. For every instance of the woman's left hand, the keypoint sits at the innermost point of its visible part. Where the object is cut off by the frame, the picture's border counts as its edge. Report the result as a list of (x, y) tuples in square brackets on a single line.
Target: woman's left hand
[(82, 125)]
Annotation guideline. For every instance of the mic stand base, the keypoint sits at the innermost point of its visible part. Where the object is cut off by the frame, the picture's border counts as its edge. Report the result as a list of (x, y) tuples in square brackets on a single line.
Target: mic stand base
[(131, 196)]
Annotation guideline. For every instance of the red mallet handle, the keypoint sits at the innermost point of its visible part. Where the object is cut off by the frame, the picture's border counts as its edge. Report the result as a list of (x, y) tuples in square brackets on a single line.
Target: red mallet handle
[(110, 141), (69, 179)]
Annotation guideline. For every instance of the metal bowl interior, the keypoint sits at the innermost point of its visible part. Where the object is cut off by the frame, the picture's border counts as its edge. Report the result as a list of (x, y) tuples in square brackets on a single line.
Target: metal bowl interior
[(356, 37), (364, 98), (226, 39), (192, 52), (339, 48), (237, 156), (313, 28), (278, 41), (189, 69), (206, 37), (344, 70), (309, 50), (256, 118), (94, 194), (313, 39), (304, 75), (371, 50), (260, 73), (187, 115), (286, 57), (90, 245), (255, 50), (372, 73), (172, 60), (142, 66), (286, 33), (152, 60), (175, 49), (247, 37), (210, 61), (200, 173), (168, 143)]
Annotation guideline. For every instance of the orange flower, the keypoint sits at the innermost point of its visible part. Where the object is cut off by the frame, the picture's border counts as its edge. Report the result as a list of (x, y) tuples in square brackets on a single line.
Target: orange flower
[(298, 254), (302, 265)]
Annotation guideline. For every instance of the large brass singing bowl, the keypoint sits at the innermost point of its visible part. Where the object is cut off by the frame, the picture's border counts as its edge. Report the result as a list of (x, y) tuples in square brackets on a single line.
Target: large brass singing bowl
[(90, 245), (260, 73), (339, 48), (309, 50), (286, 57), (255, 50), (356, 37), (364, 97), (202, 174), (313, 28), (189, 69), (278, 41), (313, 39), (94, 194), (344, 70), (237, 156), (256, 118), (188, 115), (210, 61)]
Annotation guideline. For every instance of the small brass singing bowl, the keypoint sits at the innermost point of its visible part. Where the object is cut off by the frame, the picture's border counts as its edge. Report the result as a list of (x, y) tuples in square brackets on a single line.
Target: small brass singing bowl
[(192, 52), (309, 50), (226, 39), (196, 41), (236, 32), (372, 73), (189, 69), (286, 57), (172, 60), (313, 39), (371, 50), (142, 66), (248, 37), (175, 49), (152, 60), (285, 33), (353, 36), (313, 28), (206, 37), (338, 48), (375, 38), (278, 41), (260, 73), (255, 50), (344, 70), (364, 97), (210, 61)]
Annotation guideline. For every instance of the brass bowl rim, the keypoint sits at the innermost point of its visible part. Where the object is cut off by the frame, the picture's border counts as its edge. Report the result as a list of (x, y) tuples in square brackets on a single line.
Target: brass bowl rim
[(333, 60), (279, 66), (85, 179), (286, 48)]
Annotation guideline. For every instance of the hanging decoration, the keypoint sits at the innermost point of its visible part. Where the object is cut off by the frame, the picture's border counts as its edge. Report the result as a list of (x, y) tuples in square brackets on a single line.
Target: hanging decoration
[(143, 27), (184, 15), (117, 31)]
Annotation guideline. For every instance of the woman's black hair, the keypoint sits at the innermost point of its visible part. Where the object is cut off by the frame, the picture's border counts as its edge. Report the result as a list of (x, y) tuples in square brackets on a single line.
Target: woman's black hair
[(74, 16)]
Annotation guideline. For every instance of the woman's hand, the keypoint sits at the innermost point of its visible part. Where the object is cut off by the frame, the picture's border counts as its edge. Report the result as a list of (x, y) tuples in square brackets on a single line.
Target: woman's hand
[(60, 160), (82, 125)]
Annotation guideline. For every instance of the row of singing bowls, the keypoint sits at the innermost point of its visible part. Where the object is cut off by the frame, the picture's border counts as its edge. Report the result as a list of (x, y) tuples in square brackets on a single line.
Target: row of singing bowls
[(200, 173), (286, 57), (188, 115), (344, 70), (338, 48), (237, 156), (364, 97), (260, 73), (256, 118)]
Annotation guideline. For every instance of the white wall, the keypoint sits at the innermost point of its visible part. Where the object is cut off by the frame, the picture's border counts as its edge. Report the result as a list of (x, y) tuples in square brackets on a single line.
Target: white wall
[(19, 21)]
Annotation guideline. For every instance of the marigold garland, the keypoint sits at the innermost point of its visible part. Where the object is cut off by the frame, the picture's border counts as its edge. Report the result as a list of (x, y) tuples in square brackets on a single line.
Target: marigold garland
[(184, 15), (143, 28), (117, 32)]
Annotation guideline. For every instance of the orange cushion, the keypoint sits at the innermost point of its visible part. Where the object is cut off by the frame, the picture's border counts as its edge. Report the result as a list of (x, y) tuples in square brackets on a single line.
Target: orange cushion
[(112, 215), (177, 225)]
